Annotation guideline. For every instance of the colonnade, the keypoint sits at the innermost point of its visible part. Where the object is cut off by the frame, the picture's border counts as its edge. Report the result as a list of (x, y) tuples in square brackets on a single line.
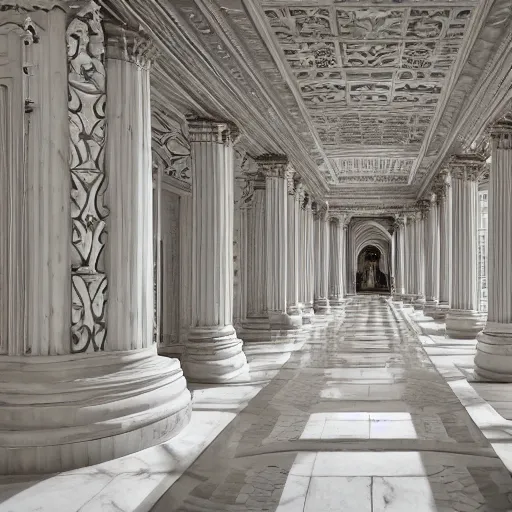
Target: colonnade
[(83, 381)]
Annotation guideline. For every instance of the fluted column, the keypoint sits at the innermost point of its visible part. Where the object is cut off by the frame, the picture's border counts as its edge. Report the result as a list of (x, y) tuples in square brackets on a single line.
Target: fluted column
[(345, 257), (399, 226), (419, 254), (276, 170), (309, 277), (463, 319), (336, 260), (445, 244), (213, 353), (293, 232), (321, 244), (493, 360), (78, 193), (185, 310), (410, 260), (431, 257)]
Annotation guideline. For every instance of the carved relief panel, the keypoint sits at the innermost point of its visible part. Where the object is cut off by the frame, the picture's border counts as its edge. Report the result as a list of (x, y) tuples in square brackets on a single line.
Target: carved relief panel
[(86, 107), (369, 75)]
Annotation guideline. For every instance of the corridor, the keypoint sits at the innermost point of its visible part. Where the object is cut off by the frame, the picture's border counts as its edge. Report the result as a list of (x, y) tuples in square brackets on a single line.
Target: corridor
[(357, 420)]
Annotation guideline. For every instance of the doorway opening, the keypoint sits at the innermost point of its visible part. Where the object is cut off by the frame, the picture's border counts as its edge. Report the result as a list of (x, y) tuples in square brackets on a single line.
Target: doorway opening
[(370, 276)]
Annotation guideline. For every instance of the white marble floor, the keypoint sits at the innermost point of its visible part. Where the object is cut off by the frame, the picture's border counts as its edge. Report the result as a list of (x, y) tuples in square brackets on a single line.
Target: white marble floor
[(358, 420)]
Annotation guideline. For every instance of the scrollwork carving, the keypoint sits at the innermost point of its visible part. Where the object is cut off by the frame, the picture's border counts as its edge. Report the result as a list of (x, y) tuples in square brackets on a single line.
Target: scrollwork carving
[(87, 99)]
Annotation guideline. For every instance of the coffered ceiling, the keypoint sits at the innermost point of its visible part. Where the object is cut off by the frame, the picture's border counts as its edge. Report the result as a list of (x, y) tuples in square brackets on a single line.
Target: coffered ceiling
[(370, 78), (366, 97)]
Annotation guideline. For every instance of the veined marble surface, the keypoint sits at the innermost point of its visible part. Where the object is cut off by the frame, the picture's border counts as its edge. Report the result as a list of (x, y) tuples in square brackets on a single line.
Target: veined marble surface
[(358, 419)]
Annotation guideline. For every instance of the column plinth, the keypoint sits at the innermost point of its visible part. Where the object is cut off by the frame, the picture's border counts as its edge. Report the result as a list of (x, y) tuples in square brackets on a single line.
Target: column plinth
[(213, 352), (463, 320), (493, 361)]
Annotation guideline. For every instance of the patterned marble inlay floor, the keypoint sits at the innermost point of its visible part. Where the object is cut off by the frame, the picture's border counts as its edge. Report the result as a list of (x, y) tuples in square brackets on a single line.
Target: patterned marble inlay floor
[(358, 420)]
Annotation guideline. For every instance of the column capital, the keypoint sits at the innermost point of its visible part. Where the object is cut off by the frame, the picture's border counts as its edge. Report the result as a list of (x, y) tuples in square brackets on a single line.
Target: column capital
[(129, 45), (209, 130), (466, 167), (290, 181), (423, 206), (501, 132), (399, 221), (273, 166), (441, 185), (300, 190), (320, 210), (338, 217)]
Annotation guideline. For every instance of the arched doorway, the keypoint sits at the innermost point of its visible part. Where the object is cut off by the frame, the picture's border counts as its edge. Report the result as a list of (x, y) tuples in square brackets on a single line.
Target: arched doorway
[(371, 275)]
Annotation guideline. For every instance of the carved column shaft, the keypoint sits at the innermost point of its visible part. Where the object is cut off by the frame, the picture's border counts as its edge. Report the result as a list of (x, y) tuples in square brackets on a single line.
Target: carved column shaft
[(419, 254), (335, 261), (185, 307), (257, 254), (35, 240), (494, 349), (213, 352), (321, 244), (409, 259), (309, 276), (445, 248), (293, 212), (463, 319), (431, 258), (399, 260), (129, 262)]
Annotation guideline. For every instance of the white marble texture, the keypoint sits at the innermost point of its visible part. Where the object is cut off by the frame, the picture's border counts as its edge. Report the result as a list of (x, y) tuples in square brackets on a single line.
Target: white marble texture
[(403, 440)]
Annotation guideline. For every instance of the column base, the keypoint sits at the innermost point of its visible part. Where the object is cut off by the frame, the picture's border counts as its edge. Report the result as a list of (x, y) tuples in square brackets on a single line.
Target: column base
[(493, 360), (419, 302), (430, 308), (308, 314), (464, 324), (213, 355), (336, 302), (321, 306), (441, 311), (64, 412)]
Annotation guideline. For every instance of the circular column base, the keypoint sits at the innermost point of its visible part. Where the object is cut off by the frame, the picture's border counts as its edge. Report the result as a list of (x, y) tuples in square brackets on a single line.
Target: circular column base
[(321, 307), (308, 314), (419, 303), (430, 308), (64, 412), (213, 355), (441, 311), (464, 324), (493, 360)]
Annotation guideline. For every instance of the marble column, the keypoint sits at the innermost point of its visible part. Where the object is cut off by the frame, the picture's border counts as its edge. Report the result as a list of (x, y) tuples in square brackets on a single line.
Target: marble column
[(410, 259), (493, 361), (431, 258), (399, 233), (463, 319), (445, 244), (336, 248), (185, 307), (293, 231), (213, 352), (276, 170), (345, 258), (321, 255), (78, 199), (309, 276), (302, 254), (419, 255)]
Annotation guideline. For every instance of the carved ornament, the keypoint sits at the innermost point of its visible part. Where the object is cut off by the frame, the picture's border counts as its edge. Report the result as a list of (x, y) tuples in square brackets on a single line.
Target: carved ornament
[(129, 45), (273, 166), (87, 100), (32, 5), (467, 167), (501, 132)]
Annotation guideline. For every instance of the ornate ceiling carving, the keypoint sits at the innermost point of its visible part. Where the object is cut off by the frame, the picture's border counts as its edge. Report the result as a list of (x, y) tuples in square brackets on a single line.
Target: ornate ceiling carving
[(369, 76)]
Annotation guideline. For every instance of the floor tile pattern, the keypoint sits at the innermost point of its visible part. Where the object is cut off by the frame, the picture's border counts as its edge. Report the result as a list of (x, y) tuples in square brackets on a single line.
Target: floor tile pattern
[(358, 419)]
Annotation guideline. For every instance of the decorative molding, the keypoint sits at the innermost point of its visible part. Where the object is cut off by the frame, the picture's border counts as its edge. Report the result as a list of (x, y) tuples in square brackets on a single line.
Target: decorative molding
[(467, 167), (128, 45), (208, 130), (87, 100), (32, 5), (273, 166), (501, 132), (170, 147)]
